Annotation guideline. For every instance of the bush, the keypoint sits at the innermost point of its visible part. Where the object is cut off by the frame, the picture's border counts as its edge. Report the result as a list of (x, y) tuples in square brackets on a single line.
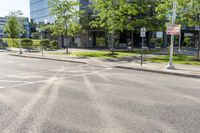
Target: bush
[(35, 35), (45, 44), (27, 44), (54, 44)]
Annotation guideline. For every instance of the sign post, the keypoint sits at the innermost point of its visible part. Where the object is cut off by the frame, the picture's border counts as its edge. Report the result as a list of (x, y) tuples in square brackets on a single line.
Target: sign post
[(143, 35), (172, 32)]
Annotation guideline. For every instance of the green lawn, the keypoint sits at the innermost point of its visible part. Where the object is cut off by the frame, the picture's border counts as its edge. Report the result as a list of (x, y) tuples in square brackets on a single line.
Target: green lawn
[(36, 42), (178, 59), (108, 54), (103, 54)]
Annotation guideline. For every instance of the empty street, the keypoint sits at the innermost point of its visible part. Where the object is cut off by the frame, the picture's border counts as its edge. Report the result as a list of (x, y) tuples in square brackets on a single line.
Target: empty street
[(50, 96)]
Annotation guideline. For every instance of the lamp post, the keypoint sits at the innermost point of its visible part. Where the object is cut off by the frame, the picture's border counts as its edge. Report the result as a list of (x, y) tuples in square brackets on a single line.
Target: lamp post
[(170, 65)]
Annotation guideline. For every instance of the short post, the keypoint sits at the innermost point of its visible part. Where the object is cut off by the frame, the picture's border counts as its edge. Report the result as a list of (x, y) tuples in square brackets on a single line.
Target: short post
[(142, 52), (142, 34), (20, 44), (41, 45)]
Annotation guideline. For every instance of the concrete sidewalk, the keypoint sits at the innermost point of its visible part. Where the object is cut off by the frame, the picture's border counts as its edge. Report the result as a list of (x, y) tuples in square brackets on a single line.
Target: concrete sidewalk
[(134, 63)]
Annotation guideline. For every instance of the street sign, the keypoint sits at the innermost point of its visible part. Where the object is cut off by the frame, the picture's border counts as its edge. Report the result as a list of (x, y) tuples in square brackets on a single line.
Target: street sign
[(143, 32), (173, 30)]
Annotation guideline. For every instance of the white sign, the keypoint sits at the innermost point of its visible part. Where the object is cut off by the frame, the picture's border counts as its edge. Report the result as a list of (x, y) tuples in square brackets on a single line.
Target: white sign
[(188, 34), (159, 34), (173, 30), (143, 32), (197, 27)]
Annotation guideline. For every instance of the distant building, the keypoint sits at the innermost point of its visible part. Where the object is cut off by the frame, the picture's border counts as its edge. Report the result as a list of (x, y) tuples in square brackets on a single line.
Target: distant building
[(25, 22), (3, 21), (39, 11)]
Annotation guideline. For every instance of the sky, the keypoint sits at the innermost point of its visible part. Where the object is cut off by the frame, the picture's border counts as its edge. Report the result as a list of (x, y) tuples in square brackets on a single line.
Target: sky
[(13, 5)]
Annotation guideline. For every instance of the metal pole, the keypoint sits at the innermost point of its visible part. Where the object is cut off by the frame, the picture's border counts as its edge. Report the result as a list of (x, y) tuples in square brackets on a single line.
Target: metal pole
[(42, 46), (20, 45), (141, 62), (170, 65)]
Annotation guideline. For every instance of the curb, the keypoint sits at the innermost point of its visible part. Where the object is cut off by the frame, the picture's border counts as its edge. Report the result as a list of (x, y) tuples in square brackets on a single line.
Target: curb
[(46, 58), (160, 72), (120, 67)]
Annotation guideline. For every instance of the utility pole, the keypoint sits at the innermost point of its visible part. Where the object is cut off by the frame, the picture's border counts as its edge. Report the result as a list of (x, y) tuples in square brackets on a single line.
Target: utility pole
[(170, 65)]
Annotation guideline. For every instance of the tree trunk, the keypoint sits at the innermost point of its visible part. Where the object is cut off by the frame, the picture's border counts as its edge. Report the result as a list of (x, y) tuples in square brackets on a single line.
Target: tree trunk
[(66, 41), (198, 51), (132, 41), (113, 42), (13, 42)]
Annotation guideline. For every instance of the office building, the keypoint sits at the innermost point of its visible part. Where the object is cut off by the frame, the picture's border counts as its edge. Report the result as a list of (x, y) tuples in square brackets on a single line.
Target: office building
[(39, 11)]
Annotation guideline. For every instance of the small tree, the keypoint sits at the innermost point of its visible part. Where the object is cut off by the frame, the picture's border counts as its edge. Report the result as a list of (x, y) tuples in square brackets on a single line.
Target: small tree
[(67, 14), (109, 15), (54, 44), (13, 27), (45, 44), (27, 44)]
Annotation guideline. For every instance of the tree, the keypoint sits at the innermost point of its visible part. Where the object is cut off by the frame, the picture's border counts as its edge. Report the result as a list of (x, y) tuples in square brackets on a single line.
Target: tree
[(67, 15), (45, 44), (27, 44), (142, 13), (119, 15), (109, 16), (13, 26), (188, 13)]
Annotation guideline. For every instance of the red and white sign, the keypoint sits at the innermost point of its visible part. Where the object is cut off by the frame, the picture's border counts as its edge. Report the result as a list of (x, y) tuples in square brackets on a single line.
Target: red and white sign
[(173, 30)]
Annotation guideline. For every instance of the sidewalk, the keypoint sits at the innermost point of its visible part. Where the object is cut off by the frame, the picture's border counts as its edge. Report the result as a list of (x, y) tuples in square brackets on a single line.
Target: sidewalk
[(133, 63)]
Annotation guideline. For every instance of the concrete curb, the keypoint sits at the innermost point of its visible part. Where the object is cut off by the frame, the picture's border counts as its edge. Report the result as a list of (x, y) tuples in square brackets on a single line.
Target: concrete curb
[(46, 58), (121, 67), (160, 72)]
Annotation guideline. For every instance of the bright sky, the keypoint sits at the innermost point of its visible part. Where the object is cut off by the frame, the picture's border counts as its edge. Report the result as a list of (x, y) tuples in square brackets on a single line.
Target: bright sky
[(13, 5)]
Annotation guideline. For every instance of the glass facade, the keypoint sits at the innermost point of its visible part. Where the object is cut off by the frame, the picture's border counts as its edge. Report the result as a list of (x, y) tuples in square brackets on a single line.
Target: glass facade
[(39, 10)]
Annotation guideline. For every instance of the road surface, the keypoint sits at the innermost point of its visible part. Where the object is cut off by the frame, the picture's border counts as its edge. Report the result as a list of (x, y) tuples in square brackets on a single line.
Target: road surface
[(40, 96)]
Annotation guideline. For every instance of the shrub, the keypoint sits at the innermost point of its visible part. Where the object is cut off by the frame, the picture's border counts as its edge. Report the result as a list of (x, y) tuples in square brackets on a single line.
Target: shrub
[(35, 35), (27, 44), (54, 44), (45, 44)]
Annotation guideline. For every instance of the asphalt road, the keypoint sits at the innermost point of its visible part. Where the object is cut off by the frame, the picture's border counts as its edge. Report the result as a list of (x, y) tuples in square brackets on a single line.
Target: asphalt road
[(40, 96)]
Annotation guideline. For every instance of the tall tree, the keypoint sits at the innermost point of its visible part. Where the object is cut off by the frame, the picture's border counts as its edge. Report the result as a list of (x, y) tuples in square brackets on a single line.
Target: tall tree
[(109, 15), (188, 13), (119, 15), (67, 15), (13, 26)]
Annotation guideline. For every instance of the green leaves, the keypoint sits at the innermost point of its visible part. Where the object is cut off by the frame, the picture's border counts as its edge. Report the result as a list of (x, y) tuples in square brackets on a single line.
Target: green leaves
[(187, 11), (119, 15), (67, 14), (13, 26)]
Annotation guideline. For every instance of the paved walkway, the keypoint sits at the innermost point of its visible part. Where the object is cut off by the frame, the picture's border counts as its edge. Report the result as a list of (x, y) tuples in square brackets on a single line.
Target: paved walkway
[(129, 63)]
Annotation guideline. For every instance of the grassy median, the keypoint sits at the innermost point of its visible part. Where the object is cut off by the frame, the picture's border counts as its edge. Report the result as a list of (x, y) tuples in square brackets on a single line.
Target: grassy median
[(178, 59)]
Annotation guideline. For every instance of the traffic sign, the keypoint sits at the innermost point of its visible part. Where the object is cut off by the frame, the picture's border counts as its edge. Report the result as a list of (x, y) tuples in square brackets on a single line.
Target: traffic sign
[(173, 30), (143, 32)]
